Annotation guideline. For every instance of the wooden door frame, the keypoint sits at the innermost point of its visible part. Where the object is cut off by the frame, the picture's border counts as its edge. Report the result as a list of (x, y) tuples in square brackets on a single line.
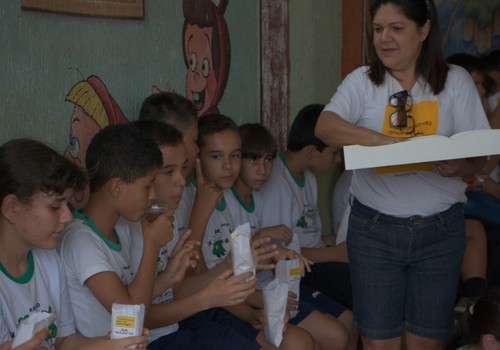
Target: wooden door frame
[(275, 58)]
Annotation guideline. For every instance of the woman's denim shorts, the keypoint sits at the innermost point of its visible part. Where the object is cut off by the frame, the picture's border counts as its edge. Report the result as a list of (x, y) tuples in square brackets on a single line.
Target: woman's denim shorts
[(405, 271)]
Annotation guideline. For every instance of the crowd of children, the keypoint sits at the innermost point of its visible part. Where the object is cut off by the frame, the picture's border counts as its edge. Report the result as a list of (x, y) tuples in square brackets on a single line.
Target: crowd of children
[(210, 176)]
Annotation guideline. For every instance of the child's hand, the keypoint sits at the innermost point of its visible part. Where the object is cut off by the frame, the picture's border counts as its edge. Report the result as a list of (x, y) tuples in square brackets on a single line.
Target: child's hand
[(292, 302), (184, 256), (257, 319), (206, 192), (140, 342), (262, 251), (161, 230), (228, 290), (279, 232), (288, 254), (30, 344)]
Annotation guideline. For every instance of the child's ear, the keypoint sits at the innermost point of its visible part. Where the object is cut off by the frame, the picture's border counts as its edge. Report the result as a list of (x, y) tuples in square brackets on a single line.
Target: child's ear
[(489, 341), (10, 207), (310, 151), (115, 186)]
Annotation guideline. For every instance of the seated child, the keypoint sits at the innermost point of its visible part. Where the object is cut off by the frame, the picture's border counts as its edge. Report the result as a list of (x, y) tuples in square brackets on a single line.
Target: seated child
[(290, 198), (122, 163), (316, 313), (177, 111), (220, 159), (219, 289), (479, 326), (36, 184)]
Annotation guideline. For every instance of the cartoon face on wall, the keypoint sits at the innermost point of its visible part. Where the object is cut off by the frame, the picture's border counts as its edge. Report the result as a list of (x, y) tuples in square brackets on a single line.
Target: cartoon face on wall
[(94, 109), (207, 52)]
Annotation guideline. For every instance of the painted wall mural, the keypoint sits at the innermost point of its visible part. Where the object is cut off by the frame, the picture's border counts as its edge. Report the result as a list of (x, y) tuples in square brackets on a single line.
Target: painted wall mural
[(469, 26), (206, 50), (94, 109), (207, 53)]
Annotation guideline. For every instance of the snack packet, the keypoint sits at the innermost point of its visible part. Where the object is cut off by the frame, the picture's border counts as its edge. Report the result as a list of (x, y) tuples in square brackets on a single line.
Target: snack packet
[(127, 321), (29, 327), (275, 300), (288, 271), (241, 250)]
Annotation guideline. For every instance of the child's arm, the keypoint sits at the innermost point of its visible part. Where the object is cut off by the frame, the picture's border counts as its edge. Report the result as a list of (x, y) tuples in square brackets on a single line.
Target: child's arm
[(107, 286), (279, 232), (77, 341), (30, 344), (185, 256), (255, 317), (205, 200), (318, 255), (225, 290)]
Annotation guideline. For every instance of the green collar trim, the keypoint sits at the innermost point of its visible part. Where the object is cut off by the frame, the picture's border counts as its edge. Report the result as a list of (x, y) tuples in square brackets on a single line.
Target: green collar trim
[(302, 181), (117, 247), (249, 208), (26, 277)]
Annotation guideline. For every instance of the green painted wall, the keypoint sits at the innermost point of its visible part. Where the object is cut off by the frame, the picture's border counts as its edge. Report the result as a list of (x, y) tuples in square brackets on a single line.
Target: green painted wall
[(43, 55), (315, 47)]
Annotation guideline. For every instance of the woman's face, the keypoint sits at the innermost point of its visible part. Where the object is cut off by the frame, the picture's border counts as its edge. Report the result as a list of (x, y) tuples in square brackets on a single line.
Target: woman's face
[(397, 39)]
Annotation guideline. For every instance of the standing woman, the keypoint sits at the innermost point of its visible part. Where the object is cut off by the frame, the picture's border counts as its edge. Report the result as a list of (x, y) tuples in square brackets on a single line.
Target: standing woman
[(406, 233)]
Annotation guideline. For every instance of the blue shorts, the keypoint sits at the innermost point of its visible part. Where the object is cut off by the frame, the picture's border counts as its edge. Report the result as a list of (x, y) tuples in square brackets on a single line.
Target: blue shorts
[(404, 271), (218, 329), (311, 300)]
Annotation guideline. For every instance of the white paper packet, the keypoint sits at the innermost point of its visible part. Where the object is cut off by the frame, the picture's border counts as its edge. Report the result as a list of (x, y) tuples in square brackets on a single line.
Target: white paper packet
[(275, 300), (288, 271), (127, 321), (29, 327), (241, 250)]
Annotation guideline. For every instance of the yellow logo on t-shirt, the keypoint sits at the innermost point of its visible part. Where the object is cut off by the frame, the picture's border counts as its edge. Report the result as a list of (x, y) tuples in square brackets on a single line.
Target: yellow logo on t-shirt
[(423, 119)]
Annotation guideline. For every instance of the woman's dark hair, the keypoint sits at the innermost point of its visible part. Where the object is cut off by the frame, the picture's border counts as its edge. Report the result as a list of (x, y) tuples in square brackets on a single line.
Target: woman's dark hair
[(28, 167), (431, 64), (256, 141), (482, 318)]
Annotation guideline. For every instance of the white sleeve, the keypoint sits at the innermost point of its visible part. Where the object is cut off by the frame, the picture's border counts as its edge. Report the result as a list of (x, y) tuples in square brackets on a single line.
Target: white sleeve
[(83, 257), (349, 99), (65, 320), (5, 335), (277, 207)]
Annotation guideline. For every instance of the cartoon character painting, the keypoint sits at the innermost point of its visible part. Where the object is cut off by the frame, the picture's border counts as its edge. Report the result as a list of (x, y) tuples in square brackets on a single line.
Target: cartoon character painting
[(207, 53), (469, 26), (94, 109)]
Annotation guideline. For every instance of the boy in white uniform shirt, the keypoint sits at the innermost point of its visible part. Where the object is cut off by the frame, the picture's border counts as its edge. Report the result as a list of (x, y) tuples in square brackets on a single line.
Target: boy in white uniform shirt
[(215, 289), (220, 159), (290, 198)]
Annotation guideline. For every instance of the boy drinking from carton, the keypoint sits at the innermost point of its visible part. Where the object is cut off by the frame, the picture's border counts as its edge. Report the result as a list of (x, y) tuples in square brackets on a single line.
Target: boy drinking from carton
[(122, 163), (220, 159), (36, 184), (217, 288), (290, 198)]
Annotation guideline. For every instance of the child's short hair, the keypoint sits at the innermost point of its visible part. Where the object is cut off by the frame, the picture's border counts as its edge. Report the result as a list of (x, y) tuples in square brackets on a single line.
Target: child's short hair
[(161, 133), (121, 151), (213, 124), (256, 141), (302, 131), (170, 108), (29, 166)]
